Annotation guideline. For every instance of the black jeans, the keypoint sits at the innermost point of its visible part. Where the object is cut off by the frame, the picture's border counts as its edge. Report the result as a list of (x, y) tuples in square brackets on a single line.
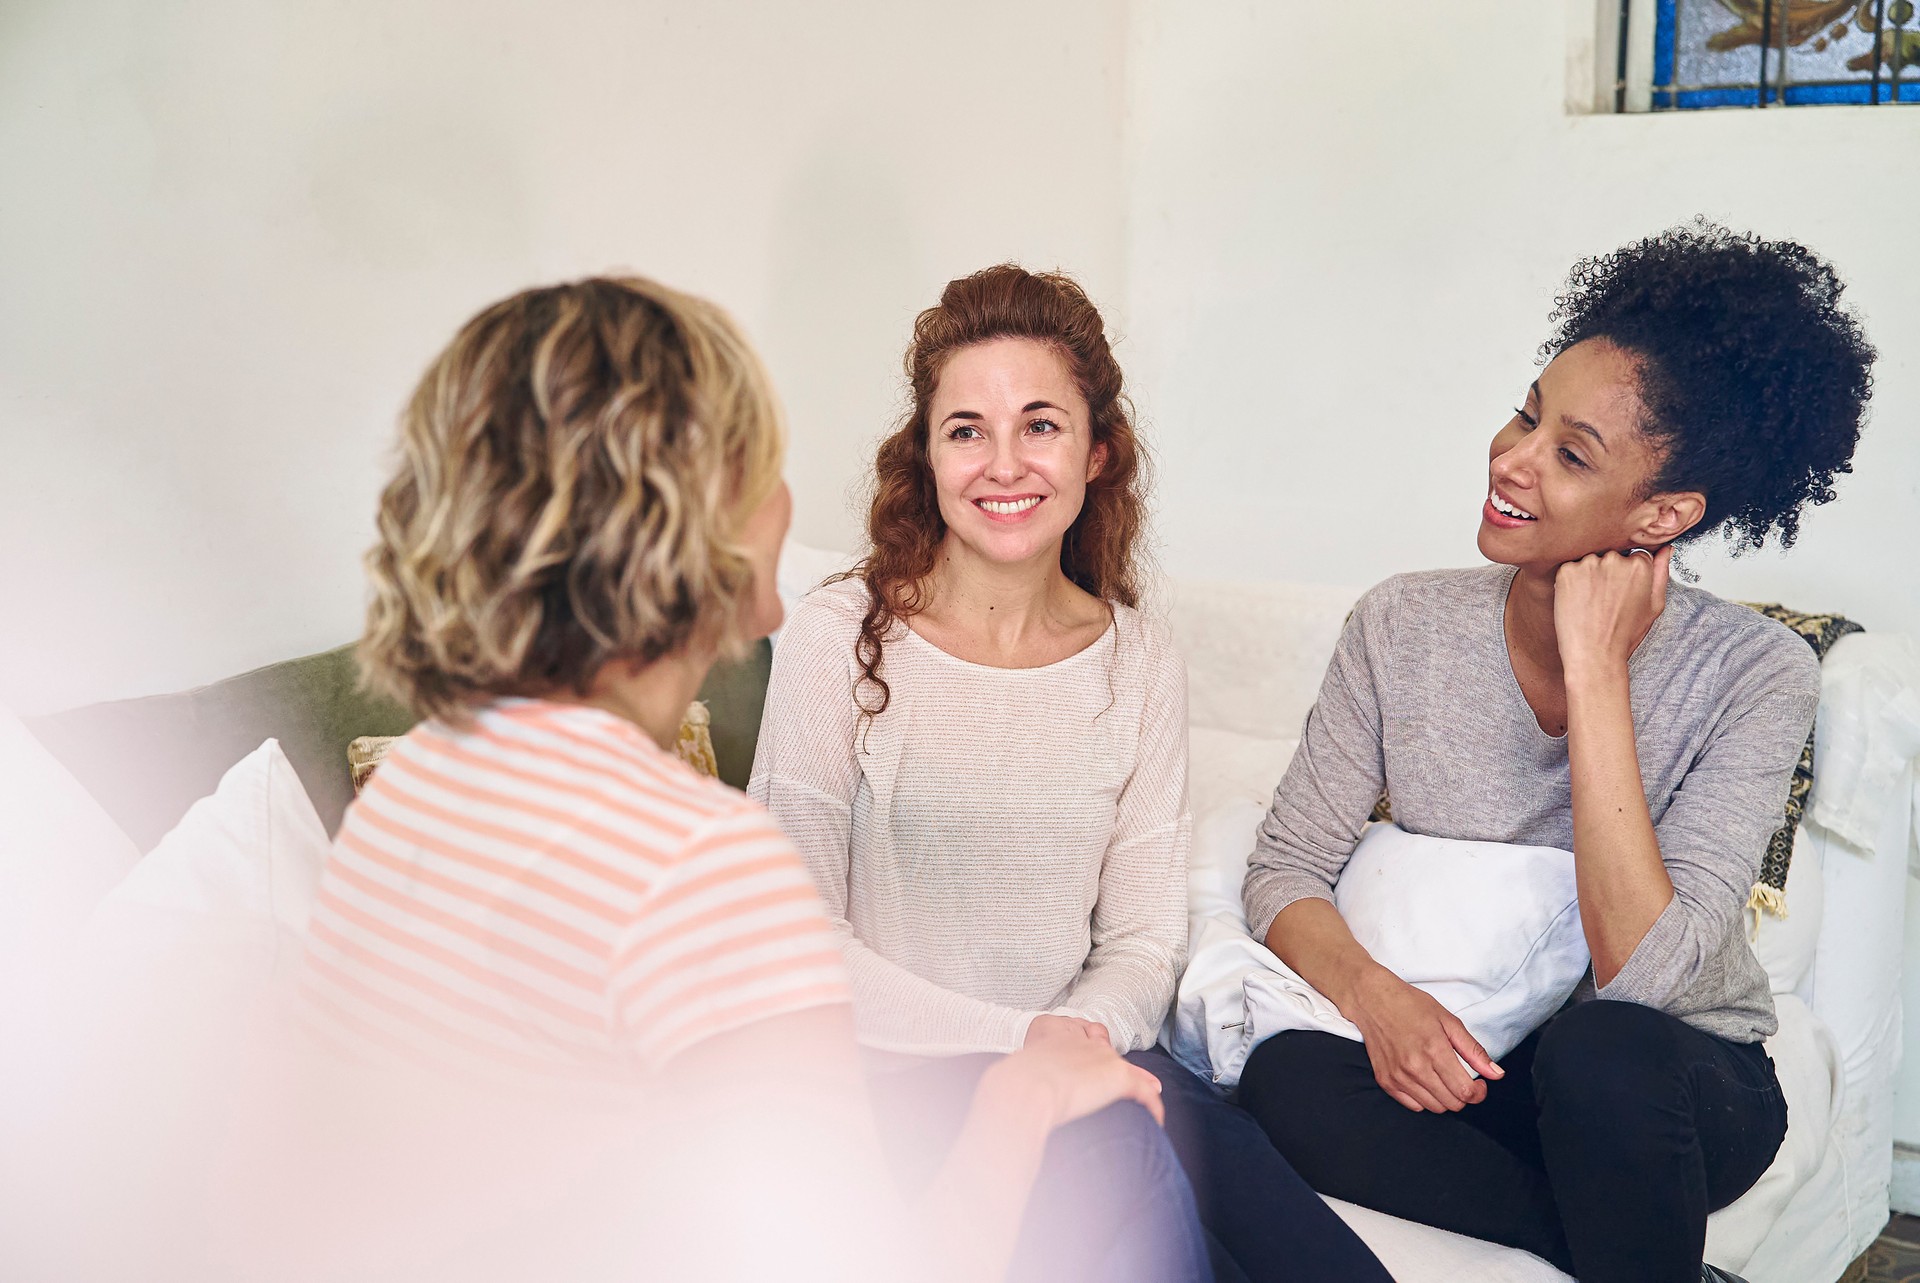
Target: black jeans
[(1615, 1131), (1264, 1223), (1110, 1204)]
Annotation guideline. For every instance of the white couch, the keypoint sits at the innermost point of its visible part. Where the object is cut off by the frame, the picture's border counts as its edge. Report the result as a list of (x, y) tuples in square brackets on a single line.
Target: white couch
[(1255, 656)]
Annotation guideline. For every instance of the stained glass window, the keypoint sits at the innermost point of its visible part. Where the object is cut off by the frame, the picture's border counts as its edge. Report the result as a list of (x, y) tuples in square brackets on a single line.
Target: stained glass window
[(1764, 53)]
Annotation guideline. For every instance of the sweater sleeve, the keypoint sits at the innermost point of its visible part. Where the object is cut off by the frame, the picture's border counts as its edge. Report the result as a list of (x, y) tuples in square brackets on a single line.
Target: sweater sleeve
[(1716, 828), (1139, 927), (806, 772), (1335, 778)]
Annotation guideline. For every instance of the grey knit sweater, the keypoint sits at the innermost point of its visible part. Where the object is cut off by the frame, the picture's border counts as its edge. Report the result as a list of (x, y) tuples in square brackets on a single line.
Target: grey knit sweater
[(1420, 699)]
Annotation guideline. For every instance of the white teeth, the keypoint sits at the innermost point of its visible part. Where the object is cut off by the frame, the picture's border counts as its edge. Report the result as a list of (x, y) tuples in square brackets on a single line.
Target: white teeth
[(1501, 505), (1008, 508)]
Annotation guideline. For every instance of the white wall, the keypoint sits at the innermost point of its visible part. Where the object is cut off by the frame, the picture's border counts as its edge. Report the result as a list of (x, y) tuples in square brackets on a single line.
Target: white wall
[(1343, 246), (232, 232)]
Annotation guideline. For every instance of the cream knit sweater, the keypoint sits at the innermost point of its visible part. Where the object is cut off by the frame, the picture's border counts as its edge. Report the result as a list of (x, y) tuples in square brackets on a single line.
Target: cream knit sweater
[(1000, 842)]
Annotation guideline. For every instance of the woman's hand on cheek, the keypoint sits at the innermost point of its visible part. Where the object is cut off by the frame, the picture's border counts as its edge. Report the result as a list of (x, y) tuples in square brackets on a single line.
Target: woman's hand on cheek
[(1604, 603), (1045, 1027)]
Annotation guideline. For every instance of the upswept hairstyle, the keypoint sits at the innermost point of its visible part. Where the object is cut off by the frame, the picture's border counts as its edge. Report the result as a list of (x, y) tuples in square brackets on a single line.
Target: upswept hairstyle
[(1755, 379), (904, 526), (574, 470)]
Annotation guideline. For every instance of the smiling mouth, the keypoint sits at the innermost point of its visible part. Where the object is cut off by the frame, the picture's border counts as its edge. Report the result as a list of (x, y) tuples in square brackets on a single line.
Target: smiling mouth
[(1506, 509), (1008, 507)]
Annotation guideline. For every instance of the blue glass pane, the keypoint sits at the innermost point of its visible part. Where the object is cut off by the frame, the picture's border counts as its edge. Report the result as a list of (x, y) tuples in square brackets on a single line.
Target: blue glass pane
[(1715, 98), (1662, 51), (1797, 94)]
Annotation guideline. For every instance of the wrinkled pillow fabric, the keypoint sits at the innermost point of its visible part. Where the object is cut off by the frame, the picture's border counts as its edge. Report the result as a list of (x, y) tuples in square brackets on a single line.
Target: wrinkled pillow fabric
[(1490, 930)]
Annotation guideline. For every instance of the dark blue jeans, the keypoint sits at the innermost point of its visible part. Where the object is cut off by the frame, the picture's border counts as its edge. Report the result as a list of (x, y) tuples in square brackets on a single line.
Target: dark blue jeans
[(1111, 1204), (1264, 1223), (1615, 1131)]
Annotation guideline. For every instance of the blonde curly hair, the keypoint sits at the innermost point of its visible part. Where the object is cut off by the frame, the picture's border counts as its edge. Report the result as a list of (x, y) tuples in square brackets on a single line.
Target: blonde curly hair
[(574, 471)]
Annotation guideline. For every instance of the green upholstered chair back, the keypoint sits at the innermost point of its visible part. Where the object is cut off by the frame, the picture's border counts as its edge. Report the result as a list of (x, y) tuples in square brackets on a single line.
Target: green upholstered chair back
[(147, 760)]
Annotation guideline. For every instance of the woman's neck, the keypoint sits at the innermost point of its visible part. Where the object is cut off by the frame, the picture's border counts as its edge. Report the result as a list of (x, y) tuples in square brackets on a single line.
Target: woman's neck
[(1003, 604), (653, 696), (1529, 617)]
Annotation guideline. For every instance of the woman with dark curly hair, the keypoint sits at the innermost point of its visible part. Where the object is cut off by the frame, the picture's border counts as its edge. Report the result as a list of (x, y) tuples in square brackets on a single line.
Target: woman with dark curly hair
[(980, 746), (1569, 696)]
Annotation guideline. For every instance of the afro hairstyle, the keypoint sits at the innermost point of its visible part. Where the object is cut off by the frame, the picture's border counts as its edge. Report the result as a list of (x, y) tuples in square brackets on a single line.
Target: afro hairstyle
[(1753, 377)]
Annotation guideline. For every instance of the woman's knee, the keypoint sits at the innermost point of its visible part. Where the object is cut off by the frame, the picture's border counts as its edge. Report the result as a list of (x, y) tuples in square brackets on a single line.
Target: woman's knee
[(1122, 1132), (1293, 1081), (1602, 1057), (1118, 1154)]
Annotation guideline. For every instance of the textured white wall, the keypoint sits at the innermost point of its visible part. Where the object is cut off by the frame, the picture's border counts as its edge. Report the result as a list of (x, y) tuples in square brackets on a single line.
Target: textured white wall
[(1344, 242), (233, 231)]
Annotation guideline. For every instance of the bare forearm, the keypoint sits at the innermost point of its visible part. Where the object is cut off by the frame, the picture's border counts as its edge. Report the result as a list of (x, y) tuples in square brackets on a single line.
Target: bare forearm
[(1621, 878), (1311, 937)]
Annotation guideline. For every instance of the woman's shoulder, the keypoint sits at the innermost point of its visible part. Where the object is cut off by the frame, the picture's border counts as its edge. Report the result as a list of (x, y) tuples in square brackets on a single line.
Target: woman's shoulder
[(834, 609), (593, 767), (1145, 630), (1423, 601), (1443, 589), (817, 640), (1145, 656), (1754, 650)]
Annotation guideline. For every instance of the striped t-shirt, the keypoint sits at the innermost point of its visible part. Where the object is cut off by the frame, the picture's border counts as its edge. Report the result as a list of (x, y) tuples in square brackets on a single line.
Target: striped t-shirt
[(546, 887)]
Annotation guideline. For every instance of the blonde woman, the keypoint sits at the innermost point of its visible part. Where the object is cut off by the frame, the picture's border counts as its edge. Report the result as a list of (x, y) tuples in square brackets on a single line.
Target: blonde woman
[(585, 516)]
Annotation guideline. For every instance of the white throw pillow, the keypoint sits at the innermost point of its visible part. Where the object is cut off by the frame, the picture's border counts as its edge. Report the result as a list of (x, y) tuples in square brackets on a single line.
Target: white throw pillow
[(1223, 835), (1230, 782), (237, 875), (168, 1000), (1868, 735), (1491, 930), (59, 853)]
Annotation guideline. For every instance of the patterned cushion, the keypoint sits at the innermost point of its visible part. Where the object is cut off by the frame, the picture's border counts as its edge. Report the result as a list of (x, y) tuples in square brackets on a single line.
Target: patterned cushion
[(695, 743), (364, 754), (694, 746), (1819, 632)]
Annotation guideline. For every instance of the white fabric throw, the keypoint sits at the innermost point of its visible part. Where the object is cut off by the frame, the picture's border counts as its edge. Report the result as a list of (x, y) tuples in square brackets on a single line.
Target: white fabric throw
[(1491, 930)]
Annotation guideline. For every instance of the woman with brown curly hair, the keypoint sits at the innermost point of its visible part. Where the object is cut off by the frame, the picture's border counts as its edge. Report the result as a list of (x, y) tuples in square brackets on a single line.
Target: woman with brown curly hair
[(979, 744)]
